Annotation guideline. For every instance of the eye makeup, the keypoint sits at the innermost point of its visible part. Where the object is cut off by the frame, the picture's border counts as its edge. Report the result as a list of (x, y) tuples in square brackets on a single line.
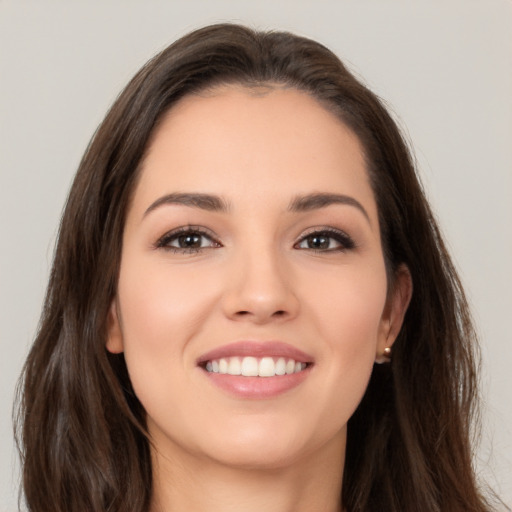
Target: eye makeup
[(187, 240), (325, 239), (194, 239)]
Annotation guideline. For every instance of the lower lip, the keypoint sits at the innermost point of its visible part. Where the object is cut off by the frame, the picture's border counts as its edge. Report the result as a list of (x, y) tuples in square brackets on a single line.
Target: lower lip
[(258, 388)]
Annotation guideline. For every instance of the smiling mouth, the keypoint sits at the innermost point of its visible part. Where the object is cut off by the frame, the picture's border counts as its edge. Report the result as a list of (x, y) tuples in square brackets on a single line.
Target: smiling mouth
[(250, 366), (256, 370)]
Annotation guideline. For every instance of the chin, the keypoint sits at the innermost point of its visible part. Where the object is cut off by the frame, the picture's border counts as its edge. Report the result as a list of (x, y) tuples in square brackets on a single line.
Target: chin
[(255, 458), (255, 447)]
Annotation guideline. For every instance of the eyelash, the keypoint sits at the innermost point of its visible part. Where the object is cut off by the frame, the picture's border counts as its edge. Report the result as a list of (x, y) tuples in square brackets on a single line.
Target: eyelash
[(343, 239), (164, 241), (345, 242)]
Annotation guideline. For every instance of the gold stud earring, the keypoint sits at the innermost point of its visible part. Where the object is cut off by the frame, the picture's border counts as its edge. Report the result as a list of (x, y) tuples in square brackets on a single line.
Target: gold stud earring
[(385, 357)]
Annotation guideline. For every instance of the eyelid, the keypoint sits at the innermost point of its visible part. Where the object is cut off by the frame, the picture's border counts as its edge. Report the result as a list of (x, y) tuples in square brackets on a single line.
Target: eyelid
[(163, 241), (345, 240)]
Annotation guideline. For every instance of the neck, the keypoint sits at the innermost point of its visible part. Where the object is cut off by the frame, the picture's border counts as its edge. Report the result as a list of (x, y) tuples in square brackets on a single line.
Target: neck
[(310, 484)]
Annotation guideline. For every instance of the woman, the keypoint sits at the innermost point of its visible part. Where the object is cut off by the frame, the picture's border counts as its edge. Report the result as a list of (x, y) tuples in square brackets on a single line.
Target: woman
[(245, 238)]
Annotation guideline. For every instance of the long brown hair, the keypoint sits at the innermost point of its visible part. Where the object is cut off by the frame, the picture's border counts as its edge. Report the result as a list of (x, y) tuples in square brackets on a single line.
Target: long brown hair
[(82, 429)]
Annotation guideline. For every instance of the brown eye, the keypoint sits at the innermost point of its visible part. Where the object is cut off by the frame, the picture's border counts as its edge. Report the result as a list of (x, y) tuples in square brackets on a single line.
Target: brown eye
[(326, 241), (187, 240), (318, 242)]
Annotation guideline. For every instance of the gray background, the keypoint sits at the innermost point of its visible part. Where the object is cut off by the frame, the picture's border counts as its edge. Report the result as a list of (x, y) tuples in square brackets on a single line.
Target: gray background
[(444, 68)]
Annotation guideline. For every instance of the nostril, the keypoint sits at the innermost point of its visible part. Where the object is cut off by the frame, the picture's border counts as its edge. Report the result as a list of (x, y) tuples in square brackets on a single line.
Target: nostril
[(279, 313)]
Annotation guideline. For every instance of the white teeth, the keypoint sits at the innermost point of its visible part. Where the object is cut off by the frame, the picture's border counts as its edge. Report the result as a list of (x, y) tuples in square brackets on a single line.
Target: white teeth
[(267, 367), (249, 367), (223, 365), (254, 367), (280, 366), (234, 367)]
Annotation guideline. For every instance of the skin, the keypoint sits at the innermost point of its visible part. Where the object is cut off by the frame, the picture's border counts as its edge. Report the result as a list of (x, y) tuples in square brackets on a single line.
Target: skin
[(256, 278)]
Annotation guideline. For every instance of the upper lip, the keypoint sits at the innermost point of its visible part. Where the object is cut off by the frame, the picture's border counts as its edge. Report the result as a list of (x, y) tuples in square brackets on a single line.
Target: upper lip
[(256, 349)]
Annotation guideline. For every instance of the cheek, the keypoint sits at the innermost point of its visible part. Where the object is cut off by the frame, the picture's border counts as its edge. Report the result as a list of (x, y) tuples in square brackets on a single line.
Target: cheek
[(348, 305), (159, 304), (161, 311), (349, 319)]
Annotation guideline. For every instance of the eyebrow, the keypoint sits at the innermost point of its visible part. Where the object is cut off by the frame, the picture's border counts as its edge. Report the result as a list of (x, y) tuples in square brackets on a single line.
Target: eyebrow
[(321, 200), (215, 203), (195, 200)]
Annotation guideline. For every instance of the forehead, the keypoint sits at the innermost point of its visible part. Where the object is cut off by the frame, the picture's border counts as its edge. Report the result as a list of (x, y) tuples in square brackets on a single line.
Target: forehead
[(269, 143)]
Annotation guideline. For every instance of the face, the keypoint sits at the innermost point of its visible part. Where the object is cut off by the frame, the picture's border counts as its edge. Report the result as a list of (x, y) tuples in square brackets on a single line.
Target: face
[(252, 298)]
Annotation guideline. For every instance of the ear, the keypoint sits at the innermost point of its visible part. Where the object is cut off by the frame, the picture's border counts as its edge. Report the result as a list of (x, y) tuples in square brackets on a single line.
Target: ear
[(394, 312), (114, 333)]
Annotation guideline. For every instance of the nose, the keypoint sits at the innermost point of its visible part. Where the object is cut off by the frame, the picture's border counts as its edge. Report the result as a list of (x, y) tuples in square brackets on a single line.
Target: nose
[(260, 289)]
